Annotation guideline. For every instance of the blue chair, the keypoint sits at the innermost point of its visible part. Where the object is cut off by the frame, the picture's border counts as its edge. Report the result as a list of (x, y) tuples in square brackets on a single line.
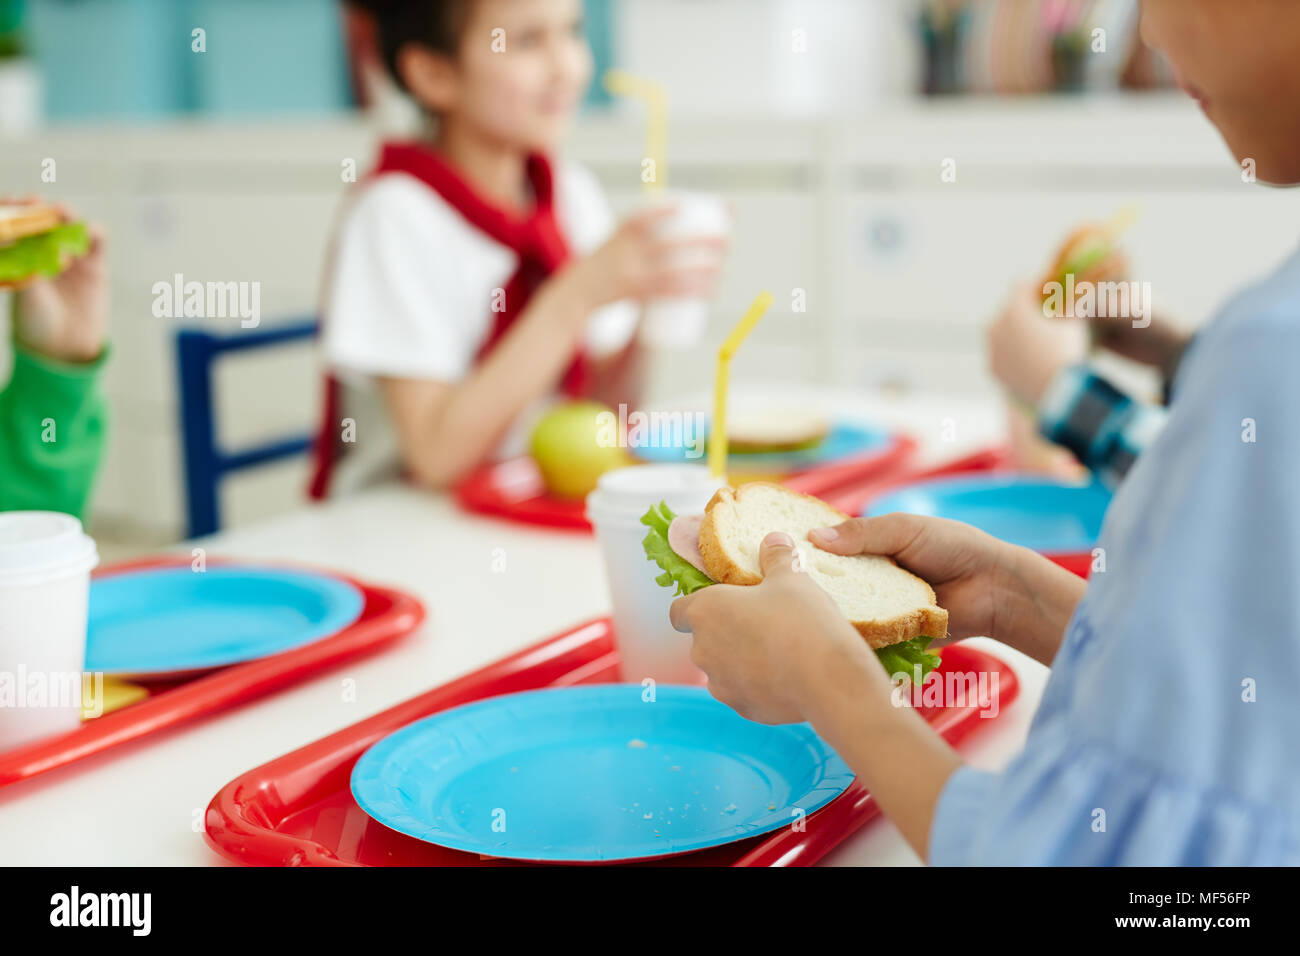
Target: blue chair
[(206, 464)]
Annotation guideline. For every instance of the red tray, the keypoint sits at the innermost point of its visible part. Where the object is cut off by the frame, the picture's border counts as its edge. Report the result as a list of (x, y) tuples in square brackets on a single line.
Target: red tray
[(513, 489), (853, 497), (385, 616), (298, 809)]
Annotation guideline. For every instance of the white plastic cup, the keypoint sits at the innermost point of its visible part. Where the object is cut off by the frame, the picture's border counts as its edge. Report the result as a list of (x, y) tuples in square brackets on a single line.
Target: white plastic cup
[(45, 564), (20, 97), (680, 323), (647, 644)]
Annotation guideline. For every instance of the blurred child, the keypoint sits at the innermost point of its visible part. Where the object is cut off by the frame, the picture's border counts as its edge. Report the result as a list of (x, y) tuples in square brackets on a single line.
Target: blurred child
[(53, 419), (1166, 734), (1042, 362), (476, 274)]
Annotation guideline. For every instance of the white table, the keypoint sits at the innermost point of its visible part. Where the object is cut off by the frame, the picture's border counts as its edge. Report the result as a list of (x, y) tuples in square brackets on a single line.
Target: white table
[(143, 804)]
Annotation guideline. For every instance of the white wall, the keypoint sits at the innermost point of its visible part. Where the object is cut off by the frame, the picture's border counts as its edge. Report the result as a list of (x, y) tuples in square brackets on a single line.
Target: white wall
[(764, 57)]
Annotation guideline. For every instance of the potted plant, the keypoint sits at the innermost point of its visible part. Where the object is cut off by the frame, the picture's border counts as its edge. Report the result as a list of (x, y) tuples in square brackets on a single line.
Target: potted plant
[(19, 81)]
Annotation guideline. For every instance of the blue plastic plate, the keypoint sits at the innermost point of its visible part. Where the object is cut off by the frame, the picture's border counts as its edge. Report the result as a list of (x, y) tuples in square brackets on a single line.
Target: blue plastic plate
[(586, 774), (1050, 516), (164, 620), (844, 440)]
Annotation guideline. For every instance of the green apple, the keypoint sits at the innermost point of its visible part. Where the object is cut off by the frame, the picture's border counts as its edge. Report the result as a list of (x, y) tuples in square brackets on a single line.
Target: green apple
[(574, 444)]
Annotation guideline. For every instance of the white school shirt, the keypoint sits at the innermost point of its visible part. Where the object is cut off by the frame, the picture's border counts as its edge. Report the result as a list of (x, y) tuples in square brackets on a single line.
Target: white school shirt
[(409, 296)]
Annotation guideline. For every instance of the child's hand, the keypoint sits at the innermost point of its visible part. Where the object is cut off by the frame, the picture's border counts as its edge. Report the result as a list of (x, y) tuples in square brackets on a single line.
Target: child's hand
[(770, 649), (767, 648), (989, 588), (1027, 350), (66, 318), (1153, 341), (781, 652), (634, 263), (961, 563)]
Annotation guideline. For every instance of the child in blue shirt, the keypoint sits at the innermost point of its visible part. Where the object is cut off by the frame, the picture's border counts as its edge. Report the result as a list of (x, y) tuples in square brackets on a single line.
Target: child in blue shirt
[(1168, 730)]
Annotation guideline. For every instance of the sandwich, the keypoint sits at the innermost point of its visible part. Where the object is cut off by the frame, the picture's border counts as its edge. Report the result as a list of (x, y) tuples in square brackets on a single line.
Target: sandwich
[(1088, 257), (1088, 252), (35, 241), (775, 432), (895, 612)]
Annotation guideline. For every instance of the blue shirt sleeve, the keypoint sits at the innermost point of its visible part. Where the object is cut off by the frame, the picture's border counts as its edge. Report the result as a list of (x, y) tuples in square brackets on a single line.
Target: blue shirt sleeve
[(1169, 731)]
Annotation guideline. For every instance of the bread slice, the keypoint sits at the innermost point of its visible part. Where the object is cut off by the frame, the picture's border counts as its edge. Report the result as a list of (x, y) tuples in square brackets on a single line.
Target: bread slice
[(776, 431), (20, 221), (1091, 247), (885, 603)]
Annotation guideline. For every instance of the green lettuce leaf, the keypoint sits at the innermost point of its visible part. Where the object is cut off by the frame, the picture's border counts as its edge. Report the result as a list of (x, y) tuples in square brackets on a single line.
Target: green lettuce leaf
[(901, 658), (677, 570), (44, 254)]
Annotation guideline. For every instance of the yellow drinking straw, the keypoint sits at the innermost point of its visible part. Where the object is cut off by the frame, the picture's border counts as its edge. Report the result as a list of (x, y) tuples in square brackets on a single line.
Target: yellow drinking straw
[(718, 429), (654, 97)]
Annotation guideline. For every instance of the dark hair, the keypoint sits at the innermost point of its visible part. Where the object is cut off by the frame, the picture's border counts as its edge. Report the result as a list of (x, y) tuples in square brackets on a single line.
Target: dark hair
[(436, 24)]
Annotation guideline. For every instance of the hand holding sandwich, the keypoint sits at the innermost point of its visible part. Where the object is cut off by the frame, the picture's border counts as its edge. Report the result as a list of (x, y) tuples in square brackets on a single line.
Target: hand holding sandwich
[(989, 587), (61, 310), (782, 650), (768, 649), (1029, 343), (62, 304), (1037, 334), (1027, 350)]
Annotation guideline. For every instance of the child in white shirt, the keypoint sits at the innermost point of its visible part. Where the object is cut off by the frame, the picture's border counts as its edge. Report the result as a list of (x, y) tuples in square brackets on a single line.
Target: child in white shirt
[(475, 275)]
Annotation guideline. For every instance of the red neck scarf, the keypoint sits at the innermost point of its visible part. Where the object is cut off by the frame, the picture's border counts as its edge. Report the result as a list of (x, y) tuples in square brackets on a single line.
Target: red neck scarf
[(536, 239)]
